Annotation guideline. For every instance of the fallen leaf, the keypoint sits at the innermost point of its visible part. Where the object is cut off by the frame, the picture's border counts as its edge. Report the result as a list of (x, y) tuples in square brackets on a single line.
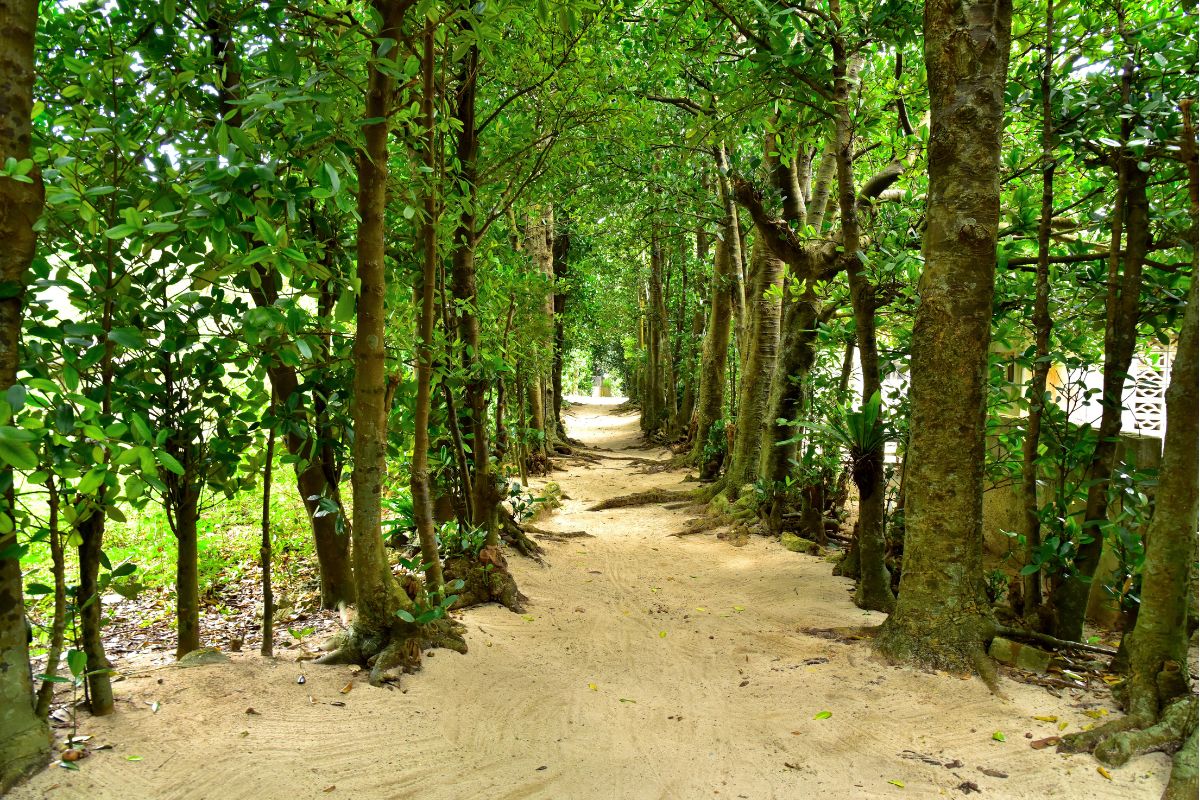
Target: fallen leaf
[(1062, 726), (1095, 713), (999, 736), (133, 758), (329, 788), (527, 617), (593, 687), (823, 715), (897, 783), (153, 706), (251, 711), (662, 634), (346, 689), (1047, 719), (626, 700), (739, 608), (1042, 744), (795, 733), (993, 773), (701, 609), (1104, 773)]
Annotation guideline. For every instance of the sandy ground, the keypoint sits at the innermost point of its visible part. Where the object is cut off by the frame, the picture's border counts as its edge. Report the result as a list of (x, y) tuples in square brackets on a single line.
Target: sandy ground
[(646, 666)]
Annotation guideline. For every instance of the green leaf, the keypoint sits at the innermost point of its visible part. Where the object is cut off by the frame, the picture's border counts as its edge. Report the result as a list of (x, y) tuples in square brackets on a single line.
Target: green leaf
[(169, 461), (18, 455), (999, 736), (92, 480), (404, 615), (823, 715), (77, 662)]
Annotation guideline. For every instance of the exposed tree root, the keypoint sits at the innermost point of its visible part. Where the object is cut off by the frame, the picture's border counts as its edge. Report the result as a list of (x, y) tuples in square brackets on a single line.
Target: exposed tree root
[(642, 499), (515, 537), (486, 580), (1047, 639), (394, 650), (1118, 741), (557, 536)]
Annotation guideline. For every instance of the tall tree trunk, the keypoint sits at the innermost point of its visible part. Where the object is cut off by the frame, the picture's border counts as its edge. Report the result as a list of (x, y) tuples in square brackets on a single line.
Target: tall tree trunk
[(484, 496), (762, 347), (942, 617), (420, 483), (560, 251), (539, 238), (59, 627), (1032, 588), (378, 596), (1069, 598), (733, 239), (874, 588), (267, 649), (711, 400), (24, 739)]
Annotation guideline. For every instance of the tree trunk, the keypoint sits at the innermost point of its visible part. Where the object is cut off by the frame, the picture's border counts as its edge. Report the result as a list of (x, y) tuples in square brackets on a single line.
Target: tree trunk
[(187, 568), (711, 400), (264, 553), (484, 498), (797, 354), (59, 626), (942, 618), (762, 348), (874, 589), (91, 535), (378, 595), (24, 737), (1069, 598), (538, 241), (1032, 587), (559, 252), (376, 204)]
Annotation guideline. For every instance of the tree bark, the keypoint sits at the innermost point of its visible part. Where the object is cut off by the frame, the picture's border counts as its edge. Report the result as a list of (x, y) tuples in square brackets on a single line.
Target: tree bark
[(942, 617), (24, 737)]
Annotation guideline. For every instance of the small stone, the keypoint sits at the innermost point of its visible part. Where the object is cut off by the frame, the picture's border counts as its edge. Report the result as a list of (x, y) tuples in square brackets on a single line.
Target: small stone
[(1019, 655)]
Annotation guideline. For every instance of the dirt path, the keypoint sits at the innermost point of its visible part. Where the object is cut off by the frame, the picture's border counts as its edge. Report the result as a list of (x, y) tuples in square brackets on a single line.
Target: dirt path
[(647, 666)]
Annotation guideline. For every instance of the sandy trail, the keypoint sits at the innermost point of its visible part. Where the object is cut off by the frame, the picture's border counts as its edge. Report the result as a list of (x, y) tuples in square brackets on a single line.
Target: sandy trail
[(647, 666)]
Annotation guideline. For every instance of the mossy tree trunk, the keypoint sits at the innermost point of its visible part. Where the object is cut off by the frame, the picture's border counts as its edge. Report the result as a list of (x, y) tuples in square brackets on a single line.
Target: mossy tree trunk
[(942, 617), (24, 738), (762, 349)]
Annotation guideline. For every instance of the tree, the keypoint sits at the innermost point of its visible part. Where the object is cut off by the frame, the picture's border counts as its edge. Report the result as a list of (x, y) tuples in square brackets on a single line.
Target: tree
[(24, 740), (942, 617)]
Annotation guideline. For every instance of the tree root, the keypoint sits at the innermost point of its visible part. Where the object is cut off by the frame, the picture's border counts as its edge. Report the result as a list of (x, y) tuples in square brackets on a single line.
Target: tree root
[(1116, 742), (557, 536), (642, 499), (486, 579), (394, 650), (1047, 639), (515, 537)]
